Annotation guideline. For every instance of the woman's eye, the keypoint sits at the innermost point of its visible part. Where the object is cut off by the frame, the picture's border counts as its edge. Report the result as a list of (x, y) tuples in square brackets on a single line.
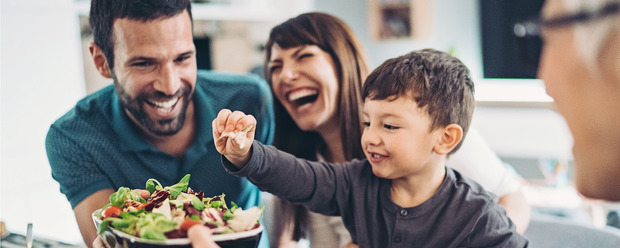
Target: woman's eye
[(305, 55), (366, 124), (274, 69)]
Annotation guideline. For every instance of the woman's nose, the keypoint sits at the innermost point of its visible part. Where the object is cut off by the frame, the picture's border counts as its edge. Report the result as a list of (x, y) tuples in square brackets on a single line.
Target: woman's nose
[(289, 73)]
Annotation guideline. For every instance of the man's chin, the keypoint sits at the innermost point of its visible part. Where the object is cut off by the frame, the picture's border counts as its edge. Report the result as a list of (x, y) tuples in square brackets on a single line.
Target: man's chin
[(168, 128)]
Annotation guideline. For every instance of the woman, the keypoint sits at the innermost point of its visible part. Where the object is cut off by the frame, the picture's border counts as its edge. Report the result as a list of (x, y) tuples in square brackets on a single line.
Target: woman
[(316, 66)]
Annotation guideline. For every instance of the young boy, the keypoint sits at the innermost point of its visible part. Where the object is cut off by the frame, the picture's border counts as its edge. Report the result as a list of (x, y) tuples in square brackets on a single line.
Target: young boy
[(417, 110)]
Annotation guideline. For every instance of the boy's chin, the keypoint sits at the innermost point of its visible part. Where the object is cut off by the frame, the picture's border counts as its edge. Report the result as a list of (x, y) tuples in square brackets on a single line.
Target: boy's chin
[(380, 173)]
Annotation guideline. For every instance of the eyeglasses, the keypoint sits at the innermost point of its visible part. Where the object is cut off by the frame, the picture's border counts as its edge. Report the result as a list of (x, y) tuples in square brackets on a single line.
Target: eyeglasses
[(528, 32)]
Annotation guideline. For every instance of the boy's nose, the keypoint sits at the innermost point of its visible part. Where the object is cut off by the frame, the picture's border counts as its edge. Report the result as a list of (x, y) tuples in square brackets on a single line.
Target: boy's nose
[(370, 137), (169, 81)]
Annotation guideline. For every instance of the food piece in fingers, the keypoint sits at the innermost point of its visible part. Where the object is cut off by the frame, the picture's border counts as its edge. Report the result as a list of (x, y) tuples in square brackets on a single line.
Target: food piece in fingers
[(238, 136)]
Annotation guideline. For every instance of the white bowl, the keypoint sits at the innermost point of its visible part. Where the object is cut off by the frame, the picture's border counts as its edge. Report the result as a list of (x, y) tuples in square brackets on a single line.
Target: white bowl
[(116, 238)]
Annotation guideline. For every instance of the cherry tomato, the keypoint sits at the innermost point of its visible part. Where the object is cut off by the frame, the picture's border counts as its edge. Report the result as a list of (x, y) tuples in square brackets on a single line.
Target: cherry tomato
[(111, 211), (187, 223)]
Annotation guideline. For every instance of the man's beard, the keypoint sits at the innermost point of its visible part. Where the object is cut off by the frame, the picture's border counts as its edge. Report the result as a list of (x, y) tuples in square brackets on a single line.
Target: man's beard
[(135, 106)]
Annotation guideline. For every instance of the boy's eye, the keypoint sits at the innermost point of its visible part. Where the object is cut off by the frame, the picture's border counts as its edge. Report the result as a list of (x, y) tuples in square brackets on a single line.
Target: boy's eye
[(390, 127)]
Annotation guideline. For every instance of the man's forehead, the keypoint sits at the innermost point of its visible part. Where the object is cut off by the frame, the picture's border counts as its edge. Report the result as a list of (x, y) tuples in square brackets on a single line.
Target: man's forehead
[(159, 35)]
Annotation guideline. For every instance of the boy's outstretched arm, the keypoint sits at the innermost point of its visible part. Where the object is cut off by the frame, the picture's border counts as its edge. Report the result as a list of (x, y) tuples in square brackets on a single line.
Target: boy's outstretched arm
[(233, 133)]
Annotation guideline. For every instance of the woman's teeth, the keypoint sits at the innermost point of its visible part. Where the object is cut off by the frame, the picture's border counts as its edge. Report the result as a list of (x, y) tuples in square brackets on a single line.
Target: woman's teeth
[(376, 156), (298, 94)]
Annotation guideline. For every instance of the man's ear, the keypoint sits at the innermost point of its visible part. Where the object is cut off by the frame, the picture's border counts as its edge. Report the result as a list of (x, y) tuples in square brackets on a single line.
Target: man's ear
[(450, 136), (101, 63)]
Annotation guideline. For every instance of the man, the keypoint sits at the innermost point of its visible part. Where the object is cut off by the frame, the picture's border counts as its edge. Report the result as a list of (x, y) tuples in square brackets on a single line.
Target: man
[(155, 121), (579, 65)]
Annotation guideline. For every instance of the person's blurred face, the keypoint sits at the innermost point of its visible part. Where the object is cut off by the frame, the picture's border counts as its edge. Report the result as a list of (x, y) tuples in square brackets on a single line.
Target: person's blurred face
[(589, 100), (304, 80), (155, 71), (397, 139)]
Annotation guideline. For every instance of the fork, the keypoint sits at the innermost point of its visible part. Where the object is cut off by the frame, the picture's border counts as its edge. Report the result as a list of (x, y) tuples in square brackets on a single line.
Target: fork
[(29, 237)]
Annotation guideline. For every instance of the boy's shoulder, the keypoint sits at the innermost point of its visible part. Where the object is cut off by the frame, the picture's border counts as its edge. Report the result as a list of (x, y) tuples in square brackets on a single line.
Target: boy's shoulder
[(468, 191)]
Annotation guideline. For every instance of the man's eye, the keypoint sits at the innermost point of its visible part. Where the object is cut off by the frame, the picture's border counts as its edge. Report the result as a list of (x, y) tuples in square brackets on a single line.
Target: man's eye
[(182, 58), (141, 64)]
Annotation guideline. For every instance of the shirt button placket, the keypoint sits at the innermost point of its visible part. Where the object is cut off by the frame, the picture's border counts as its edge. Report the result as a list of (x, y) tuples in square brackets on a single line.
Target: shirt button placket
[(397, 239)]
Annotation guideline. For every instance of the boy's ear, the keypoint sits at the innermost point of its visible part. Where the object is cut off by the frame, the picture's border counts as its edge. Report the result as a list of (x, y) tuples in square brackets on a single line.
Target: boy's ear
[(451, 135), (101, 63)]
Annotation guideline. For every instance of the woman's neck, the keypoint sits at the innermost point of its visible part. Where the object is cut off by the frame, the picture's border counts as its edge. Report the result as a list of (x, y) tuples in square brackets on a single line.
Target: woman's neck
[(331, 134)]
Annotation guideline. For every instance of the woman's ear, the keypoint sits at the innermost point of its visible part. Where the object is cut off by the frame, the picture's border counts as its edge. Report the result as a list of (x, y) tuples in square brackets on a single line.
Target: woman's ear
[(450, 136), (101, 63)]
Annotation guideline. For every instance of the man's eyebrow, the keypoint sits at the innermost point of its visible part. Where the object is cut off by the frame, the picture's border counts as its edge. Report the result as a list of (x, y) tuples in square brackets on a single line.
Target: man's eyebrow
[(191, 52)]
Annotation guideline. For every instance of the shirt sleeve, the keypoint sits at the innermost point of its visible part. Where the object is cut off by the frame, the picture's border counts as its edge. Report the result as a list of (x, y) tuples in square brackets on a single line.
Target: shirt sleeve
[(494, 229), (476, 160), (312, 184), (73, 168)]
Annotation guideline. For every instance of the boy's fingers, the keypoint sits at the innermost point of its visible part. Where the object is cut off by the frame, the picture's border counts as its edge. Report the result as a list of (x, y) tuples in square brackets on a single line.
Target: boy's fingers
[(222, 118), (245, 122), (233, 121)]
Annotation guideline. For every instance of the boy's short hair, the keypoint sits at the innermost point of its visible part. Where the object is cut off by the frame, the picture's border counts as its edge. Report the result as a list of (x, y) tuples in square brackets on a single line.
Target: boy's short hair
[(435, 80)]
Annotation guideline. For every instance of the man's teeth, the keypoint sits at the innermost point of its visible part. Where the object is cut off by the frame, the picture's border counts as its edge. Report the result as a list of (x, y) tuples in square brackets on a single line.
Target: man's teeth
[(165, 104), (296, 95)]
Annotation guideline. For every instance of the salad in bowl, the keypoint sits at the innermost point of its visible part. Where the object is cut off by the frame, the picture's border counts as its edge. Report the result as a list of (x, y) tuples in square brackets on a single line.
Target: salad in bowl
[(164, 217)]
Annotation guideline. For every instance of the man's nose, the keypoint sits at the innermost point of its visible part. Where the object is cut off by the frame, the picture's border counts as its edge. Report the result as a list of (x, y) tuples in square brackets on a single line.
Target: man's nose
[(169, 81)]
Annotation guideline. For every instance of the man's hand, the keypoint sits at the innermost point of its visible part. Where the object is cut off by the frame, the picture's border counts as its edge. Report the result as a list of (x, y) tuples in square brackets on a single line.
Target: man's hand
[(233, 133)]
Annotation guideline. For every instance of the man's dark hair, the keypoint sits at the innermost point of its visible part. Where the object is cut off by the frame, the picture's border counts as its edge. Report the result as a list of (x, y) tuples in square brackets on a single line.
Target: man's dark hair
[(435, 80), (103, 13)]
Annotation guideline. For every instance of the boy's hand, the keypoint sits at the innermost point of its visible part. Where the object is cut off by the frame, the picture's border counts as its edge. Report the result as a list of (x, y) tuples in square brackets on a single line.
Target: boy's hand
[(233, 133)]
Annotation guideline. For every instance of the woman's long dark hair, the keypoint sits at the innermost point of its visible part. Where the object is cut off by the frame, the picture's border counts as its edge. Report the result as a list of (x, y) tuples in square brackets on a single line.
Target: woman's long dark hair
[(336, 38)]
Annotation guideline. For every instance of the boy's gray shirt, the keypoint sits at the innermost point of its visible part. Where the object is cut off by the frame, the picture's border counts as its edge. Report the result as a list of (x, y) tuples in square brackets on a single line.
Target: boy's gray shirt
[(460, 214)]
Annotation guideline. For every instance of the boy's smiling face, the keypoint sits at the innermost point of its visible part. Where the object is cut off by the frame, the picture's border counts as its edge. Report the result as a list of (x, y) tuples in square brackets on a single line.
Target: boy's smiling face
[(397, 140)]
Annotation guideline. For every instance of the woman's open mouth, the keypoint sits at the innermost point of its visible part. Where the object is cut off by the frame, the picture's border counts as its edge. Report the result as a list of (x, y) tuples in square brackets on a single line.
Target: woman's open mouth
[(303, 97)]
